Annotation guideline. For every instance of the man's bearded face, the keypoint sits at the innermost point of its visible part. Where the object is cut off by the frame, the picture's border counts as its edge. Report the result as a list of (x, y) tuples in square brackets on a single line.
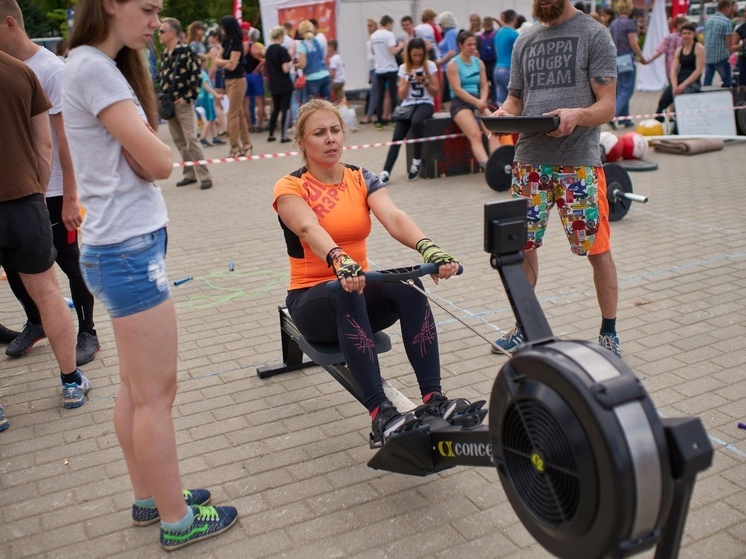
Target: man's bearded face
[(548, 10)]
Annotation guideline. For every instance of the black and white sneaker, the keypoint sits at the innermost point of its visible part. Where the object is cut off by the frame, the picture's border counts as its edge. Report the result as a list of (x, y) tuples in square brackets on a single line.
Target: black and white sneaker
[(414, 171), (388, 421), (385, 178), (440, 406)]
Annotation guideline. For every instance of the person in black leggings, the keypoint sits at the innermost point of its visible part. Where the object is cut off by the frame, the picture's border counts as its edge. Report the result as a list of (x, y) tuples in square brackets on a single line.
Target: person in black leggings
[(324, 210), (278, 63), (418, 85), (68, 256), (686, 69)]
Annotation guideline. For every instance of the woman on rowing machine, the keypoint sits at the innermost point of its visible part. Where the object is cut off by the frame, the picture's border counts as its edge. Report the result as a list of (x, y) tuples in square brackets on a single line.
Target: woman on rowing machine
[(324, 209)]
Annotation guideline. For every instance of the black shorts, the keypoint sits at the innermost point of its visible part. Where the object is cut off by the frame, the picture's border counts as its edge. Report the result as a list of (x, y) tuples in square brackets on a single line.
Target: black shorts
[(458, 104), (26, 235)]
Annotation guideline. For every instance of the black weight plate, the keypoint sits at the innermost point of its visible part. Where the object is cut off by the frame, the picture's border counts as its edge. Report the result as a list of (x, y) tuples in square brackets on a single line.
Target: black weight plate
[(741, 118), (617, 178), (637, 165), (498, 170)]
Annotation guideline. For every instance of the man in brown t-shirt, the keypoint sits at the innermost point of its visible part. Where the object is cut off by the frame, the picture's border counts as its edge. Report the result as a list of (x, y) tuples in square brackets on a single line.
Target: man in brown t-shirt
[(25, 231)]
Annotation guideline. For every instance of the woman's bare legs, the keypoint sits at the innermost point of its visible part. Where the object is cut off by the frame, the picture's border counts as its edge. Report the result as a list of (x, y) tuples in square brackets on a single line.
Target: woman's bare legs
[(468, 124), (147, 348)]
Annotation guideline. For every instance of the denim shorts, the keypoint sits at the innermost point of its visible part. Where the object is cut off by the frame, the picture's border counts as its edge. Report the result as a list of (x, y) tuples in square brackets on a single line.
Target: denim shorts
[(128, 277)]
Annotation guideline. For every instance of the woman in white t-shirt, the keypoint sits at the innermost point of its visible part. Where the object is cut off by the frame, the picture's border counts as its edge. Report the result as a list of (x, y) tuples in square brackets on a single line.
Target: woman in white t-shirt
[(418, 85), (117, 157)]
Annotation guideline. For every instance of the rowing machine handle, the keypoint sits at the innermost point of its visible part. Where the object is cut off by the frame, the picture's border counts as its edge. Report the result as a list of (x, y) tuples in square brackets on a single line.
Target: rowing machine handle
[(394, 275)]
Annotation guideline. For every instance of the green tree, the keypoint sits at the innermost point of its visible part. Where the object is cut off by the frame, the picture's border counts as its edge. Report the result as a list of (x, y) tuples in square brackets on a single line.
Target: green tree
[(57, 18), (35, 20)]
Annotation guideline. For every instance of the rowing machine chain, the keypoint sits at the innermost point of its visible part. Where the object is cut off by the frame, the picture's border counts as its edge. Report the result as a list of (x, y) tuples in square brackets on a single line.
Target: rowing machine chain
[(412, 284)]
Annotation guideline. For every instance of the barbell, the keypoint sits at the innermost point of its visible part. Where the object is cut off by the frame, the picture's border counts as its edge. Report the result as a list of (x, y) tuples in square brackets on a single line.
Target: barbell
[(499, 175)]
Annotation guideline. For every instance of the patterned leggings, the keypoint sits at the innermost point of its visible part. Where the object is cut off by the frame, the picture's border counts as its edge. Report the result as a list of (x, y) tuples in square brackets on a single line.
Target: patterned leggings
[(350, 320)]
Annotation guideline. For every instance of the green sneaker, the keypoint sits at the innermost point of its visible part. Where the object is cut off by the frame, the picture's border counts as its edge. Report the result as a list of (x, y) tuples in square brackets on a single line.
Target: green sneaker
[(208, 522), (145, 516)]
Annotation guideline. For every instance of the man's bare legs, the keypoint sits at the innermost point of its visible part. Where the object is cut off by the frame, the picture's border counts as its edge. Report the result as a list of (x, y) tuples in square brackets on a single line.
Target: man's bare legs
[(55, 316)]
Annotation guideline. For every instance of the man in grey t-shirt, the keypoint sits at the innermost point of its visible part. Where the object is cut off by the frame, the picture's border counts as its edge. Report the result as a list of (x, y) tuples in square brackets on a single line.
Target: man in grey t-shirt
[(565, 66)]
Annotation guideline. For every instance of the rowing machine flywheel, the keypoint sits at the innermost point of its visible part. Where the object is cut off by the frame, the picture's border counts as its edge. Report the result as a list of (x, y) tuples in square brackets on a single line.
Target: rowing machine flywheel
[(580, 450)]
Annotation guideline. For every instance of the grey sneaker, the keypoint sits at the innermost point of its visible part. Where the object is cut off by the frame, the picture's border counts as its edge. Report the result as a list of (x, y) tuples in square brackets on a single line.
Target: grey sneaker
[(30, 334), (3, 420), (145, 516), (509, 342), (610, 342), (385, 177), (73, 393), (208, 522), (86, 348)]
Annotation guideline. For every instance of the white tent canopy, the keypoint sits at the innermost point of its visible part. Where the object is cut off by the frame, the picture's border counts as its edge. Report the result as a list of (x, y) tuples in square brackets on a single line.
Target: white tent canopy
[(351, 32)]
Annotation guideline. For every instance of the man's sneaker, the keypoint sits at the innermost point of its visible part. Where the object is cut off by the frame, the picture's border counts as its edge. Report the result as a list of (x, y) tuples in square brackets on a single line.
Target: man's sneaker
[(145, 516), (509, 342), (7, 335), (385, 177), (442, 407), (73, 393), (414, 171), (86, 348), (610, 342), (208, 522), (3, 420), (23, 343), (387, 421)]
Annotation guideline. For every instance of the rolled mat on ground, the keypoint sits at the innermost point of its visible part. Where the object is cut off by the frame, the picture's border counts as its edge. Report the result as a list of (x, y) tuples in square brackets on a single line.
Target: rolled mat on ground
[(689, 147)]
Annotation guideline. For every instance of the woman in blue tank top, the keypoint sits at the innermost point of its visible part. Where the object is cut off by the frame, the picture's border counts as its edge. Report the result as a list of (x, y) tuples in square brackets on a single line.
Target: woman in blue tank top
[(468, 80)]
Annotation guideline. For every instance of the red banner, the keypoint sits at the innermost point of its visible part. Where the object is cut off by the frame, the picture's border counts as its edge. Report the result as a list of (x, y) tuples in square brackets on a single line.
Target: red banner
[(238, 10), (322, 11), (679, 8)]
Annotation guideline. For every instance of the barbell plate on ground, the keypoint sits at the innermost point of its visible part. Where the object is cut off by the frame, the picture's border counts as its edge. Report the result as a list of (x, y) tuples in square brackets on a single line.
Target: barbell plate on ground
[(617, 178), (498, 170), (637, 165)]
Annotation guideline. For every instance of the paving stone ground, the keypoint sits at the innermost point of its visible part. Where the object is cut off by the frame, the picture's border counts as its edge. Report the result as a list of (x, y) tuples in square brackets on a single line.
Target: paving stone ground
[(291, 452)]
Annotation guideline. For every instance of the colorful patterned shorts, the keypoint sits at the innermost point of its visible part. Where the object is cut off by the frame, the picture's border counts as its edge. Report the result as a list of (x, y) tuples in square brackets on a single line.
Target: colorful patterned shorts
[(580, 196)]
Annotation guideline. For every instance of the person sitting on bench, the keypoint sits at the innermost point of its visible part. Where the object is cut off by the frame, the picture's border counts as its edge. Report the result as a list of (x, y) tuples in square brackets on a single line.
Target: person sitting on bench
[(471, 90), (324, 211), (418, 86), (686, 70)]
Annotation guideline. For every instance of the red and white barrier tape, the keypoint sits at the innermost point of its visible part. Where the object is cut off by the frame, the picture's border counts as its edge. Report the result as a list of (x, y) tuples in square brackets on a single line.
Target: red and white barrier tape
[(291, 153), (693, 111), (416, 140)]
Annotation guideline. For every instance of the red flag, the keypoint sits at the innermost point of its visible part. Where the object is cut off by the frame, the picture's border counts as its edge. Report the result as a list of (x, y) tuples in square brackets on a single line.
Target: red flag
[(238, 10), (679, 8)]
